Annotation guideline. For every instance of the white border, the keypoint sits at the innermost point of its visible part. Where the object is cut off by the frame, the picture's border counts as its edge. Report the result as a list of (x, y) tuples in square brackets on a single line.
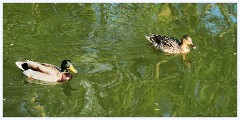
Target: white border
[(114, 1)]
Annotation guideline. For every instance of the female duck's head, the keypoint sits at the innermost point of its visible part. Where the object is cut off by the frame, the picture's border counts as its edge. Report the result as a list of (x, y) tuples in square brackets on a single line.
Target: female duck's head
[(186, 40), (67, 65)]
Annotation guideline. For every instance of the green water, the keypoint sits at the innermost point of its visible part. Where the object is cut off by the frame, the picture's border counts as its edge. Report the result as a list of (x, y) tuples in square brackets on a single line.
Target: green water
[(119, 72)]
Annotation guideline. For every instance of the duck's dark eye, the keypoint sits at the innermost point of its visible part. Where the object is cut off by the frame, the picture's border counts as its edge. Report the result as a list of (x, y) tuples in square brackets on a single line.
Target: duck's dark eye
[(185, 36), (67, 65)]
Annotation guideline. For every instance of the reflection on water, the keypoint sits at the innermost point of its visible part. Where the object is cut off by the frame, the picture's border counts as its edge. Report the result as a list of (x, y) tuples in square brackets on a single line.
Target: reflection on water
[(119, 72), (91, 108), (67, 88), (32, 106)]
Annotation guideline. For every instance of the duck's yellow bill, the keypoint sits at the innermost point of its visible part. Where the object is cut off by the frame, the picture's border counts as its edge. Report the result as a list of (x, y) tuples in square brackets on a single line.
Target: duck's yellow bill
[(72, 69)]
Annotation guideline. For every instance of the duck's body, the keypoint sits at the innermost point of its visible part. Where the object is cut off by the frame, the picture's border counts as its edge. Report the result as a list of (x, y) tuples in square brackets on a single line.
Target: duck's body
[(171, 45), (46, 72)]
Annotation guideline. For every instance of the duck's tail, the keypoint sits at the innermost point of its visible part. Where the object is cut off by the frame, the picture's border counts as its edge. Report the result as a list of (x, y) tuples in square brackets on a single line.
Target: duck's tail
[(20, 64), (23, 65), (151, 37)]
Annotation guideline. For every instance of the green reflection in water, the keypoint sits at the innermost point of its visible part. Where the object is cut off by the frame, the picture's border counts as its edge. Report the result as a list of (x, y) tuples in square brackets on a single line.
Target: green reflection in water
[(119, 72)]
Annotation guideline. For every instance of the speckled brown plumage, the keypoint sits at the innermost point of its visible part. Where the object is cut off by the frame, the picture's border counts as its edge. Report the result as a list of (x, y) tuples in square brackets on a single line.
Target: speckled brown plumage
[(171, 45)]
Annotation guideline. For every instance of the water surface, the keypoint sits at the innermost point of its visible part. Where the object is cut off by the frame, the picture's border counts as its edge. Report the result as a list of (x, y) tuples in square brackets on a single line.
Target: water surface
[(119, 72)]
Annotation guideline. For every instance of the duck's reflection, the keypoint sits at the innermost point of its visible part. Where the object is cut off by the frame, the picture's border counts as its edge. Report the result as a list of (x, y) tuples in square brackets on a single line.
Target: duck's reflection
[(158, 68), (67, 88), (184, 60)]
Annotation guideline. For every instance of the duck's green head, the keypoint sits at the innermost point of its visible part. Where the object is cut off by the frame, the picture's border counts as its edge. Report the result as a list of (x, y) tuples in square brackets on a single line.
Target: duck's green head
[(67, 65)]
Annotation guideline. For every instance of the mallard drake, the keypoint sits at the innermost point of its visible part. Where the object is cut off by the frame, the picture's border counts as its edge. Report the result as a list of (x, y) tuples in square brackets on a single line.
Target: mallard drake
[(171, 45), (47, 72)]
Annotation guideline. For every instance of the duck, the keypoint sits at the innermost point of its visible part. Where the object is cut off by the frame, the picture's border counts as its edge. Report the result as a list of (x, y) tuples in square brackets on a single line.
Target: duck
[(171, 45), (47, 72)]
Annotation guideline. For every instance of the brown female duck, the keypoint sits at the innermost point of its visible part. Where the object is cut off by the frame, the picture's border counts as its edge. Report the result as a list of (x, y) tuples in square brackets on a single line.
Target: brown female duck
[(171, 45)]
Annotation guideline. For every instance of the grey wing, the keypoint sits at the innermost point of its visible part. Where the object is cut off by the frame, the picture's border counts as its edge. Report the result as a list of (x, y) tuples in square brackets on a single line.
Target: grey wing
[(40, 76)]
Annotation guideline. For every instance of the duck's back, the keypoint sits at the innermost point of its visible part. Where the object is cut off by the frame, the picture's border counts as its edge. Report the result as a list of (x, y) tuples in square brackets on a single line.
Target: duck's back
[(40, 71), (165, 43)]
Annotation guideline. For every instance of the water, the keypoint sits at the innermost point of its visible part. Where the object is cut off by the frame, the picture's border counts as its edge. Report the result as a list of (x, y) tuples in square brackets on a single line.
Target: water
[(119, 72)]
